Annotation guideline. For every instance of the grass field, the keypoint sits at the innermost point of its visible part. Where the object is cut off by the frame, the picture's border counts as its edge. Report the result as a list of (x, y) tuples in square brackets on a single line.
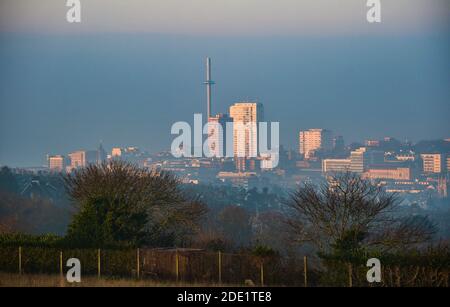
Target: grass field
[(42, 280)]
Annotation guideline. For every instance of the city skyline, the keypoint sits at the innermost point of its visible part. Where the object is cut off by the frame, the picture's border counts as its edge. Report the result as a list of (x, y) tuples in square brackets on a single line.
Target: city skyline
[(294, 146), (289, 143), (61, 92)]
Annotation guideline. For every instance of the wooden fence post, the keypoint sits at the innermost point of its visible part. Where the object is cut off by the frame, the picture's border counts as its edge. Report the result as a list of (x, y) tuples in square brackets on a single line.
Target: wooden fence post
[(262, 273), (305, 270), (61, 264), (138, 264), (20, 260), (220, 267), (177, 266), (350, 275), (397, 277), (99, 263)]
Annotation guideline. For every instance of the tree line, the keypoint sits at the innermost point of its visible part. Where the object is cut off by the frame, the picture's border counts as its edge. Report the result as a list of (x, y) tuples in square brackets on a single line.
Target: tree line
[(118, 204)]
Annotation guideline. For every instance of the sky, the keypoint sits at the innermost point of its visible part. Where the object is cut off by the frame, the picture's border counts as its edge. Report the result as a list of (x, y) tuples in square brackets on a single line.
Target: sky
[(132, 68)]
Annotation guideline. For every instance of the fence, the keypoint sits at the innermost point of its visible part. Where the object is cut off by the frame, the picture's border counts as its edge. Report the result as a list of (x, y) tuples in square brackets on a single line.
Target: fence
[(354, 275), (199, 266), (177, 265)]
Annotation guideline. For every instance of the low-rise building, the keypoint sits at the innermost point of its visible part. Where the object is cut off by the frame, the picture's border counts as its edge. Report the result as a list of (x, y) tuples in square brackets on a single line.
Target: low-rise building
[(56, 163), (335, 165), (432, 163), (388, 173)]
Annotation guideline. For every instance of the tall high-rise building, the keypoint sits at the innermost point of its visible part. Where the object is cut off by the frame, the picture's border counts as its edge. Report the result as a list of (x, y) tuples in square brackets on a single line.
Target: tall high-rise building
[(77, 159), (82, 158), (432, 163), (314, 139), (246, 116), (217, 134), (56, 163)]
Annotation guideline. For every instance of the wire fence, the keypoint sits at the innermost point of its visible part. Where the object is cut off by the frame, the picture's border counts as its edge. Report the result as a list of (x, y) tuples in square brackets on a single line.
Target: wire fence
[(177, 265), (215, 268)]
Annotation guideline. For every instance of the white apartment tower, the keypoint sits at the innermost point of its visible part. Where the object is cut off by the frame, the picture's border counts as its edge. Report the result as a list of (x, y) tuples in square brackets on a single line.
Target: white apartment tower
[(246, 116)]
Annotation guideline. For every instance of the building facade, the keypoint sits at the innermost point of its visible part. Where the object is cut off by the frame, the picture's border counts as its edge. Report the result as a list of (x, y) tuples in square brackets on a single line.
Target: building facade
[(116, 152), (357, 159), (363, 157), (246, 116), (335, 165), (217, 135), (82, 158), (56, 163), (393, 173), (432, 163), (314, 139)]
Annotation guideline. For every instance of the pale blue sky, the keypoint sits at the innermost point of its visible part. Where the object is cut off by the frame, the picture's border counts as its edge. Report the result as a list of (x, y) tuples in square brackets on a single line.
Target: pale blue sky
[(128, 72)]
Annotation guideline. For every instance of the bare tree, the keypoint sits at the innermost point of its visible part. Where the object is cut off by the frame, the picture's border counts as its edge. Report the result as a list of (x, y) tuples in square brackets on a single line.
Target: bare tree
[(347, 212)]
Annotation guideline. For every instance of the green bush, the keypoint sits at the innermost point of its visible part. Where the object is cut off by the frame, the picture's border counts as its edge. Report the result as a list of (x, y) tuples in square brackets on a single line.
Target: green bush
[(19, 239)]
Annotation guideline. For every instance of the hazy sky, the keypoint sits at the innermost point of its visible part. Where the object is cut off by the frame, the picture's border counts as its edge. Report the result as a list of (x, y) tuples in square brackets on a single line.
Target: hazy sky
[(223, 17), (132, 68)]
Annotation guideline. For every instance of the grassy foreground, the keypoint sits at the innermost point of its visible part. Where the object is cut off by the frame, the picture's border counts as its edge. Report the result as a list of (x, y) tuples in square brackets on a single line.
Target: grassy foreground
[(42, 280)]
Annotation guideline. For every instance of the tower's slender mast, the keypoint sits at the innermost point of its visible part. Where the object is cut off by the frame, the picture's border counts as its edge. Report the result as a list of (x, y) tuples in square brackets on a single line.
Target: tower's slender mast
[(208, 84)]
